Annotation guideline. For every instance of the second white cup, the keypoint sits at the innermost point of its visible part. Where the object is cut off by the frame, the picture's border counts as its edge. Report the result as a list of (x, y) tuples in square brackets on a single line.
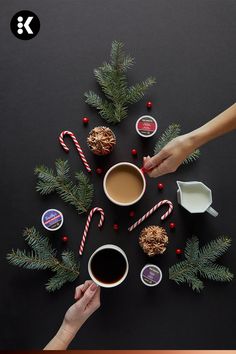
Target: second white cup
[(124, 184)]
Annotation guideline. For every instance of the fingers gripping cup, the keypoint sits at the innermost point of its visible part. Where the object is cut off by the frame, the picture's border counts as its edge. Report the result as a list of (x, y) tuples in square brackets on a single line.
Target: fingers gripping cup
[(124, 184), (108, 266)]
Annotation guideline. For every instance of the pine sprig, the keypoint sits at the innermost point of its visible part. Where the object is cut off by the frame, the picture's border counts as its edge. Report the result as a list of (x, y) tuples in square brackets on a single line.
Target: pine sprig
[(136, 92), (79, 195), (172, 132), (113, 81), (42, 256), (201, 262), (169, 134)]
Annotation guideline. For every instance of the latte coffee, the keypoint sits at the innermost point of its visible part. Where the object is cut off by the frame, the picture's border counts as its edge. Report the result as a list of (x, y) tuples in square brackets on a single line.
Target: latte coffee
[(124, 184)]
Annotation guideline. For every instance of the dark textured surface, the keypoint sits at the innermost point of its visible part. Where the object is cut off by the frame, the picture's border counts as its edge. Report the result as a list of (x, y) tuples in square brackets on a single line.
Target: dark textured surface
[(190, 47)]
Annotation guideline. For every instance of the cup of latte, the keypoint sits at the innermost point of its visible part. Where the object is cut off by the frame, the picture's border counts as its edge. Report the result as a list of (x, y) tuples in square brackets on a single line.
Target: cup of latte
[(124, 184)]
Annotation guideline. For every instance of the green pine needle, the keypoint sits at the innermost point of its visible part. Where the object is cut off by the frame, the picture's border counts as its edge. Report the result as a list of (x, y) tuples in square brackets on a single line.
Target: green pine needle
[(169, 134), (79, 195), (42, 256), (172, 132), (113, 82), (201, 262), (192, 157), (136, 92)]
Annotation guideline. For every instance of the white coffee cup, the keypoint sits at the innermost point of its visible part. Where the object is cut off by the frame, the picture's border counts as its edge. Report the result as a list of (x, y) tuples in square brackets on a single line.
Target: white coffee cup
[(136, 169), (112, 284)]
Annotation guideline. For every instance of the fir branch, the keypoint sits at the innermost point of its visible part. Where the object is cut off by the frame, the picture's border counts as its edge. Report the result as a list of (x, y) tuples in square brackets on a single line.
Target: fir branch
[(192, 157), (172, 132), (214, 249), (42, 256), (195, 283), (85, 189), (28, 260), (201, 261), (191, 251), (105, 108), (117, 54), (79, 195), (39, 244), (216, 272), (114, 84), (55, 283), (136, 92), (62, 169), (169, 134)]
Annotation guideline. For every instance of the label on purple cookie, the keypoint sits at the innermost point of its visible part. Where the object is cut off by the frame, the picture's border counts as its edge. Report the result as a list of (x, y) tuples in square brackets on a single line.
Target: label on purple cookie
[(52, 219), (151, 275)]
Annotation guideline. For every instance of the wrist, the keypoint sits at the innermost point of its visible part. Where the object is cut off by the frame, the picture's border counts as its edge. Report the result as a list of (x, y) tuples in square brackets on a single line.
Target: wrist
[(66, 333), (195, 139)]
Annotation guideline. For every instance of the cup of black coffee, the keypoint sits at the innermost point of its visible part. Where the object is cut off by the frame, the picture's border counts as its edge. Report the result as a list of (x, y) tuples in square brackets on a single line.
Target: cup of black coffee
[(108, 266)]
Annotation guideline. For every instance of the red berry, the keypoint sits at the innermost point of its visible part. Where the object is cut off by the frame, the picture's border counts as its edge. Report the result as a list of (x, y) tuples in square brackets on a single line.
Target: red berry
[(134, 152), (149, 104), (160, 186), (178, 251), (64, 238), (131, 213), (85, 120), (116, 227), (172, 225), (99, 170)]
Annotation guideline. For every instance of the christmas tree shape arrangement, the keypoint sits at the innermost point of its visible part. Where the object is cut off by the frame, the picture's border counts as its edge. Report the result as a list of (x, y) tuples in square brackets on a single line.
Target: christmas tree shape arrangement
[(113, 81), (42, 256), (201, 262), (79, 195)]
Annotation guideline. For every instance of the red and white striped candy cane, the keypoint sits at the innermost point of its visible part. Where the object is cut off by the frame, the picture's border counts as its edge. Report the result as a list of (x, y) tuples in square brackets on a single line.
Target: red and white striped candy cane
[(81, 248), (144, 217), (80, 151)]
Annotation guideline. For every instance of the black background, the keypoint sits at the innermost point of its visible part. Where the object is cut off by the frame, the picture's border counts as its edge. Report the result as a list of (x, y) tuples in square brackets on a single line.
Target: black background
[(190, 47)]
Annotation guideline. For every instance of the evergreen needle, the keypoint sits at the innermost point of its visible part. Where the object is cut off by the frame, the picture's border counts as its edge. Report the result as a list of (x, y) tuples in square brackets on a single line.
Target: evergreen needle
[(113, 81), (42, 256), (201, 262), (172, 132), (79, 195)]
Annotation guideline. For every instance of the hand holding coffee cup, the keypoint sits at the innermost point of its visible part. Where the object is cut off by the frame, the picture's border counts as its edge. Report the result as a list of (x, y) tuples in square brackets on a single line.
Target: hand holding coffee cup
[(124, 184), (108, 266)]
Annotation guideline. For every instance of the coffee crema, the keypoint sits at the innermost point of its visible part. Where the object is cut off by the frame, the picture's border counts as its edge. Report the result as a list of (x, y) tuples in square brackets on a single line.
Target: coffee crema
[(124, 184), (108, 266)]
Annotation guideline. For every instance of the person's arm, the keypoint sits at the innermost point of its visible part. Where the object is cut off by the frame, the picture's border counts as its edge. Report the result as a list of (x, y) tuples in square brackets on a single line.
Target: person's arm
[(175, 152), (220, 125), (87, 298)]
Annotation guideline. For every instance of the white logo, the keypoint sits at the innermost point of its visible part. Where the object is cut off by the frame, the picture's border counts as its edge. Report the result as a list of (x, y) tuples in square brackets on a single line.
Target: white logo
[(25, 25), (20, 25)]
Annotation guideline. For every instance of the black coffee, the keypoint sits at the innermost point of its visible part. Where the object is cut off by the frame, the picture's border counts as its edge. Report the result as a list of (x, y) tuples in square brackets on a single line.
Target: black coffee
[(108, 266)]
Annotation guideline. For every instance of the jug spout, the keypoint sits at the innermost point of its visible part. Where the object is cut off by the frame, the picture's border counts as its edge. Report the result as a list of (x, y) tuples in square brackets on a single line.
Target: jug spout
[(179, 193), (180, 184)]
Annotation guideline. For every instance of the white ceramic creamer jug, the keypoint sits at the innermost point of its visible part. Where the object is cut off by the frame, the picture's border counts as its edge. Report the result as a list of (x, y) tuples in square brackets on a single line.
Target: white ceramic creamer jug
[(195, 197)]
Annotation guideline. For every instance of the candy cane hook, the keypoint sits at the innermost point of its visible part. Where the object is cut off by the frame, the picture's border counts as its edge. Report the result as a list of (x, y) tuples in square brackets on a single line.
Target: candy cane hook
[(100, 210), (80, 151), (144, 217)]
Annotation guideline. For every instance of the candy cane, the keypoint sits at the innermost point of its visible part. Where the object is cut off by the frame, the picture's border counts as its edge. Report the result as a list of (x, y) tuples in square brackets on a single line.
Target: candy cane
[(144, 217), (81, 248), (80, 151)]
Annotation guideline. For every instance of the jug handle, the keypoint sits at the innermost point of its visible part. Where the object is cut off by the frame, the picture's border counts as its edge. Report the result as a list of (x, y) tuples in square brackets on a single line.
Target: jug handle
[(212, 211)]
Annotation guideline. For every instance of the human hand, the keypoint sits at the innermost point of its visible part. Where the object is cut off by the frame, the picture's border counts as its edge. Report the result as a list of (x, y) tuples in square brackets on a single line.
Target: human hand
[(87, 298), (170, 157)]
